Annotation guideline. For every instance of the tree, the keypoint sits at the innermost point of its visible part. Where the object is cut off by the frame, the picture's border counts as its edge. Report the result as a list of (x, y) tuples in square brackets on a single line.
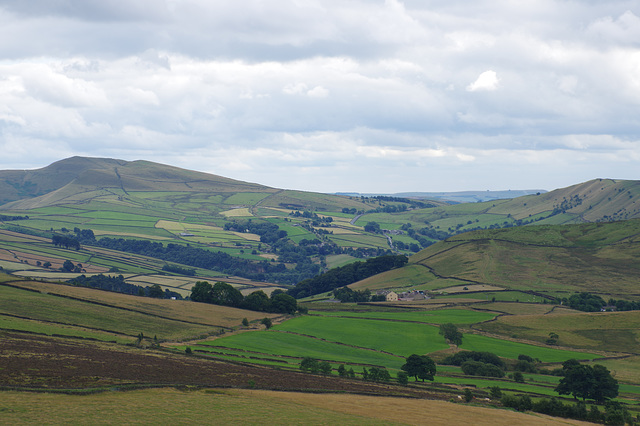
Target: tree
[(584, 381), (420, 366), (257, 301), (342, 371), (245, 322), (372, 227), (283, 303), (309, 364), (451, 334), (225, 294), (403, 377), (201, 292), (156, 291), (68, 266), (468, 395), (518, 377), (267, 322), (325, 367)]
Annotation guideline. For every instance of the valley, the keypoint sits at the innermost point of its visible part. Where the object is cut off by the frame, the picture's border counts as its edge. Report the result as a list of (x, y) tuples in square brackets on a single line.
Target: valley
[(502, 271)]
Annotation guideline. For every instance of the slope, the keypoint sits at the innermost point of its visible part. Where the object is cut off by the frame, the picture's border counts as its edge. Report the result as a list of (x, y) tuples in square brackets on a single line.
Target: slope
[(602, 258)]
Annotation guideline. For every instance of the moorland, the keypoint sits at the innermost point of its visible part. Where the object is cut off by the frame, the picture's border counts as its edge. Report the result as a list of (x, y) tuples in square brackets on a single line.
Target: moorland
[(505, 272)]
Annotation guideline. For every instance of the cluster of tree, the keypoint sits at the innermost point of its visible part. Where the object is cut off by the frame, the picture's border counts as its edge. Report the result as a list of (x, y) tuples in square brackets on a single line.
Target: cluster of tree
[(625, 305), (225, 294), (65, 241), (117, 284), (344, 275), (420, 366), (412, 203), (314, 366), (376, 374), (85, 236), (477, 368), (206, 259), (313, 217), (587, 382), (373, 227), (526, 364), (5, 218), (346, 295), (586, 302), (411, 246), (343, 372), (189, 272), (476, 363), (68, 266), (614, 414), (347, 210), (269, 232), (451, 334)]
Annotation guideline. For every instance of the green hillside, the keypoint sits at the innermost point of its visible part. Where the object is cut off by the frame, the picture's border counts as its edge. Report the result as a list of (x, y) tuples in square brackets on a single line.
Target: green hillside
[(284, 235), (601, 258)]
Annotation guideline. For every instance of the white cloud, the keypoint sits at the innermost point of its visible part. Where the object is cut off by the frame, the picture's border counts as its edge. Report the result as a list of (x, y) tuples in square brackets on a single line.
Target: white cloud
[(370, 93), (488, 81)]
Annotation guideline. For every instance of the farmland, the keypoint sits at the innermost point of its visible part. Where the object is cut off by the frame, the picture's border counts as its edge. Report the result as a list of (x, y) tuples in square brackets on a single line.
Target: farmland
[(153, 225)]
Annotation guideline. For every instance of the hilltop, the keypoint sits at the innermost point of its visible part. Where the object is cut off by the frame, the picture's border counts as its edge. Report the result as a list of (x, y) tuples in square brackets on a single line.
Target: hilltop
[(79, 179)]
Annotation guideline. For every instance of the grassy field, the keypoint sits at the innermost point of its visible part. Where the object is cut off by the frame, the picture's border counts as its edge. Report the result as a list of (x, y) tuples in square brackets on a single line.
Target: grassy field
[(209, 406), (456, 316), (610, 331)]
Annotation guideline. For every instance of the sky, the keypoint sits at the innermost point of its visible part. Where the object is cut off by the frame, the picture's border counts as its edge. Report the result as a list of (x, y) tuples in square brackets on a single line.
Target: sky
[(365, 96)]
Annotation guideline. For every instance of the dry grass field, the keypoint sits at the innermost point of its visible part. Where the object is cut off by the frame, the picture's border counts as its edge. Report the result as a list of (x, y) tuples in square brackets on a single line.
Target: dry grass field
[(200, 313), (248, 407)]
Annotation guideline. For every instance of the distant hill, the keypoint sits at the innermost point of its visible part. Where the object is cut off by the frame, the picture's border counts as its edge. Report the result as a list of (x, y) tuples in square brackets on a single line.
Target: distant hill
[(72, 177), (458, 196), (288, 235), (601, 258)]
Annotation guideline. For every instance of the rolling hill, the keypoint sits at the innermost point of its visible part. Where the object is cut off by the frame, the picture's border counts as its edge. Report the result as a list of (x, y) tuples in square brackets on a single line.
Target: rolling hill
[(284, 235), (550, 260)]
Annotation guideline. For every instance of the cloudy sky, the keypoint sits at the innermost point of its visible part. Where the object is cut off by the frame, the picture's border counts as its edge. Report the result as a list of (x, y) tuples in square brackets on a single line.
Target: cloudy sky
[(329, 95)]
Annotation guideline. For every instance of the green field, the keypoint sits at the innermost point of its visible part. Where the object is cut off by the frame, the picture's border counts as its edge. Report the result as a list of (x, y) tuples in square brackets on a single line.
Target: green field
[(442, 316)]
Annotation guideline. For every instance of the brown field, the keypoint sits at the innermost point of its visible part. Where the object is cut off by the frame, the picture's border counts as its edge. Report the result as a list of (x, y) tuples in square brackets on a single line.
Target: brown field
[(200, 313), (235, 406)]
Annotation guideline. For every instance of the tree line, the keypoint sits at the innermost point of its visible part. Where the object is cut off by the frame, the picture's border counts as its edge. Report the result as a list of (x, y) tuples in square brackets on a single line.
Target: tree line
[(117, 284), (221, 293), (345, 275)]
